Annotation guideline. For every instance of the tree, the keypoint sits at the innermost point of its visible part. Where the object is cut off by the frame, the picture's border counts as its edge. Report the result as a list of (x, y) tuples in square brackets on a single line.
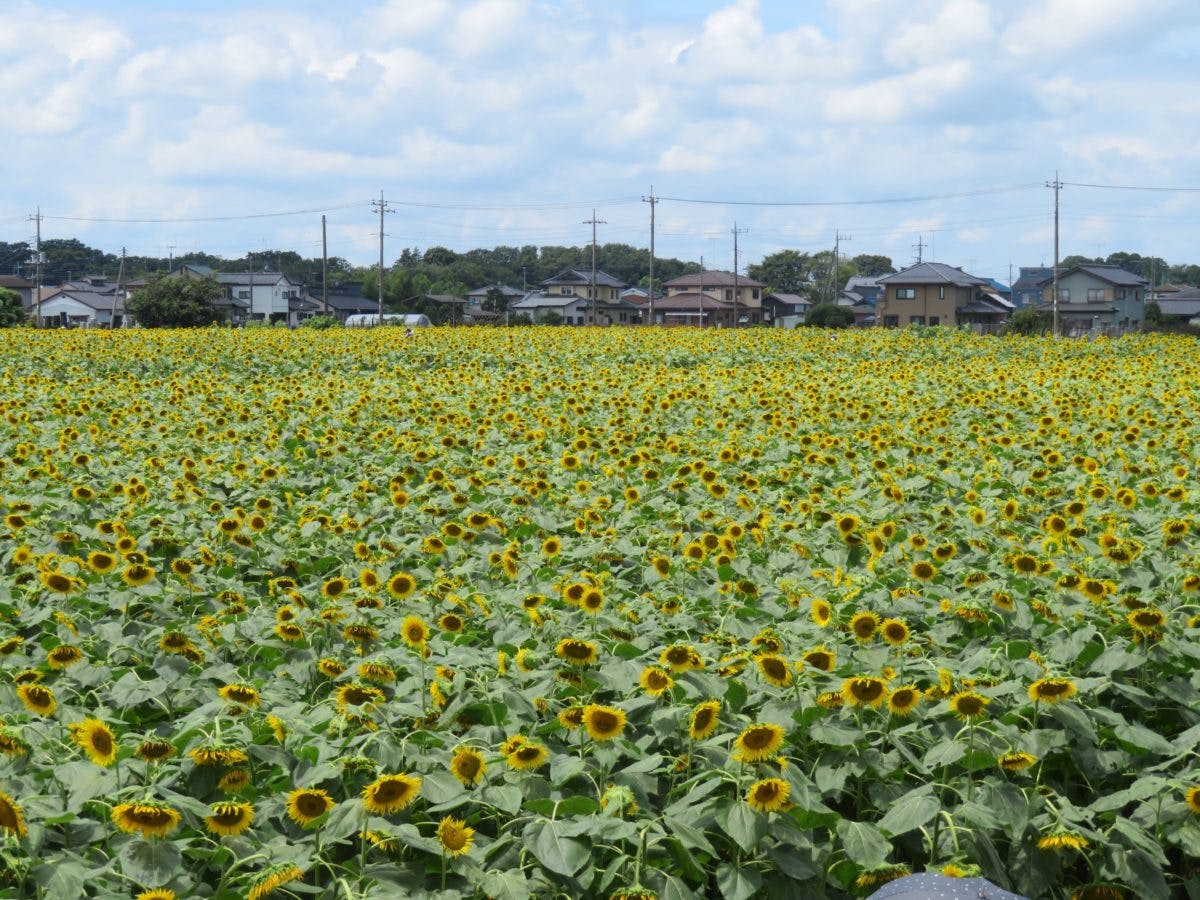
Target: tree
[(1154, 314), (789, 271), (1030, 320), (176, 302), (829, 315), (872, 265), (12, 308), (494, 300)]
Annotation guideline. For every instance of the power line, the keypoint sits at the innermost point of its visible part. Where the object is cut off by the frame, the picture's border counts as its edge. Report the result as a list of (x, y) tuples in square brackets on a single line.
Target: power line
[(267, 215), (872, 202), (1133, 187)]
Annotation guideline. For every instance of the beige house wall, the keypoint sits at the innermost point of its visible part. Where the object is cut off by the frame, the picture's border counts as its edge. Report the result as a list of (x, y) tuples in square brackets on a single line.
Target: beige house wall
[(938, 301)]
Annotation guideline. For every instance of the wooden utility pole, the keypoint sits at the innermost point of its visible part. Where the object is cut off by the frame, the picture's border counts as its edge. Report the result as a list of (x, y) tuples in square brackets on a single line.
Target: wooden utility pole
[(653, 201), (1056, 184), (383, 207), (736, 232), (112, 315), (324, 271), (37, 257), (700, 317), (593, 221)]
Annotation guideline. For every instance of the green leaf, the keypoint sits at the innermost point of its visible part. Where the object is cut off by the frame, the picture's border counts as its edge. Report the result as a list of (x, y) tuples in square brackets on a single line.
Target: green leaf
[(152, 863), (911, 811), (560, 854), (62, 880), (864, 844), (576, 806), (510, 885), (745, 826), (737, 883), (945, 754), (834, 734), (1141, 738), (505, 797)]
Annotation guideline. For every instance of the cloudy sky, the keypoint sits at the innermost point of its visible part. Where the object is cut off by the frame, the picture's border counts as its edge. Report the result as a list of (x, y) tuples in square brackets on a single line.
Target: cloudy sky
[(490, 122)]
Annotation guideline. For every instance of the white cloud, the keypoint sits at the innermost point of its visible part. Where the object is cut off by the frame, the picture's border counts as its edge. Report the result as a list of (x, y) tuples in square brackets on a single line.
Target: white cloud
[(897, 97), (1055, 27), (955, 27)]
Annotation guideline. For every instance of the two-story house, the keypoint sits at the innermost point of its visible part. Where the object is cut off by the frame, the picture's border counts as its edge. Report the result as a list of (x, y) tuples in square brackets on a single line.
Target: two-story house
[(273, 297), (23, 287), (742, 293), (932, 293), (603, 294), (1096, 297), (1027, 289)]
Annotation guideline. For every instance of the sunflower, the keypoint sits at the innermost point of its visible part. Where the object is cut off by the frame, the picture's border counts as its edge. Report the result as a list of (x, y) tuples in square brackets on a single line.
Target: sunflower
[(758, 742), (217, 755), (1147, 621), (1052, 690), (58, 582), (11, 745), (12, 817), (1063, 840), (768, 795), (234, 780), (1016, 761), (38, 699), (968, 705), (655, 681), (360, 633), (11, 646), (592, 601), (681, 658), (467, 765), (271, 879), (376, 672), (903, 700), (1192, 796), (923, 570), (552, 546), (774, 669), (455, 836), (1025, 564), (401, 585), (289, 631), (137, 574), (330, 668), (356, 698), (243, 694), (150, 818), (603, 723), (157, 894), (864, 625), (571, 718), (821, 658), (894, 631), (821, 612), (577, 652), (154, 750), (64, 655), (391, 793), (306, 805), (414, 631), (864, 691), (703, 719), (527, 756), (229, 819), (96, 739), (101, 562)]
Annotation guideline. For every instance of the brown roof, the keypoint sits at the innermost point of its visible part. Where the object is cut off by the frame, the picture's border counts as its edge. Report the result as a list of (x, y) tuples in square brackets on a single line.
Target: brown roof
[(14, 281), (712, 278), (690, 302)]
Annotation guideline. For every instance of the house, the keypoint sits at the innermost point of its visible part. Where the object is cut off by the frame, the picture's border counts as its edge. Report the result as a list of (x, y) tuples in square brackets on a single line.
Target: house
[(784, 310), (1026, 290), (21, 286), (932, 293), (87, 303), (347, 300), (698, 309), (638, 295), (541, 306), (1094, 297), (1166, 291), (1181, 306), (739, 292), (863, 288), (272, 296), (478, 296)]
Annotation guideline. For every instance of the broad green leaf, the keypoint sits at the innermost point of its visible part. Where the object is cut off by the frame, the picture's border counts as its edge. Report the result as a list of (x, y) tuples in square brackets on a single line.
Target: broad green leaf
[(1142, 738), (560, 854), (737, 882), (152, 863), (745, 826), (911, 811), (863, 844)]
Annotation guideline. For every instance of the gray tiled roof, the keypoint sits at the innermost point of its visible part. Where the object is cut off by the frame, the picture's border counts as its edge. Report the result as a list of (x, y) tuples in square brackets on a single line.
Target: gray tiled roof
[(931, 273), (712, 278), (1112, 274), (584, 276)]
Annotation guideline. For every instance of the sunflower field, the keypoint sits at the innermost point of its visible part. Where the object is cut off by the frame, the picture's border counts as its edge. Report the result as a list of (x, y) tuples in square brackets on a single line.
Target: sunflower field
[(583, 613)]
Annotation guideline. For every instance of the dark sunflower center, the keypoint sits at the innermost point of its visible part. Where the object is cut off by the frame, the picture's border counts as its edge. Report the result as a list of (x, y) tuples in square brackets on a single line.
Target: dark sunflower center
[(757, 738)]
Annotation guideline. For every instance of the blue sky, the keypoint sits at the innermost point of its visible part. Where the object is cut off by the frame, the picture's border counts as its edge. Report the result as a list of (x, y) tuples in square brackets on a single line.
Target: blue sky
[(507, 121)]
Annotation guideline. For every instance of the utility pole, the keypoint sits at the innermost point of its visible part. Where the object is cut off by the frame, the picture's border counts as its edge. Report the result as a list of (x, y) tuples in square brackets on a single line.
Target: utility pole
[(324, 270), (170, 257), (37, 256), (383, 207), (653, 201), (1056, 184), (112, 315), (700, 317), (736, 232), (838, 237), (919, 246), (593, 221)]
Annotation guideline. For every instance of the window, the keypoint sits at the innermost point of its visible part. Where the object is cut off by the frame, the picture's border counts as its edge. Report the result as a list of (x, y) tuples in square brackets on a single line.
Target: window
[(935, 320), (906, 293), (1064, 295), (941, 296), (1095, 295), (566, 290), (891, 321), (243, 295), (754, 293), (916, 320)]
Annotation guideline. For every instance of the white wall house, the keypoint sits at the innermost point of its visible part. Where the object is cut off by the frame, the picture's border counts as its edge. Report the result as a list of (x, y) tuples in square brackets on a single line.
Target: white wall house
[(72, 308), (272, 296)]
